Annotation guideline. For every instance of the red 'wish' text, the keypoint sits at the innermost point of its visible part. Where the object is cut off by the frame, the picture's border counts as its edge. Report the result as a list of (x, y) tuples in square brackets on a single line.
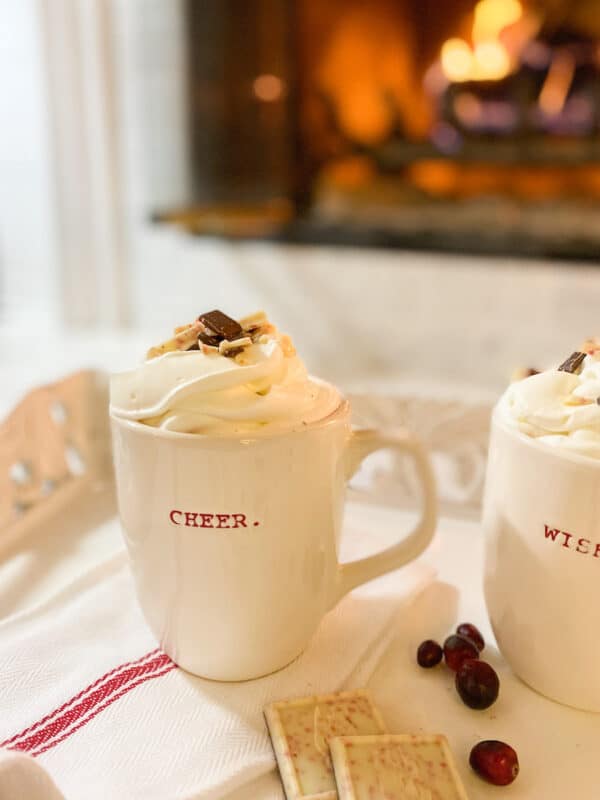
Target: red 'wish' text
[(569, 541)]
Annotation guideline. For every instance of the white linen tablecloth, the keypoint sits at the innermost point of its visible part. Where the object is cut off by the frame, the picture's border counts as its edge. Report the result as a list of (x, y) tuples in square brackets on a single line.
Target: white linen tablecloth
[(87, 693), (557, 746)]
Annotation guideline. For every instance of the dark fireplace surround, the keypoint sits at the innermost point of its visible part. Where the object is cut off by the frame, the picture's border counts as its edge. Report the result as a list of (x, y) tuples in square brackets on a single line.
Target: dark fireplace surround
[(462, 126)]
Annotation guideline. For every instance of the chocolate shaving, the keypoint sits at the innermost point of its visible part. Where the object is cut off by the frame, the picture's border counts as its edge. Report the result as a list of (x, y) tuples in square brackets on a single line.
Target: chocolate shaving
[(207, 336), (220, 325), (235, 351), (573, 363)]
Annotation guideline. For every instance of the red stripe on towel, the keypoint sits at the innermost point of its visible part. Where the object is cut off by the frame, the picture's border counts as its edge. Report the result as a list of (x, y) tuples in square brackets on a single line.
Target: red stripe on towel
[(84, 706), (96, 711), (70, 702)]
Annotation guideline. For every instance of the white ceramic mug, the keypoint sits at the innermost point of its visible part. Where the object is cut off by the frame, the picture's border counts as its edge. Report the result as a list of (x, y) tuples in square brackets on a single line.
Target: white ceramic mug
[(233, 542), (542, 574)]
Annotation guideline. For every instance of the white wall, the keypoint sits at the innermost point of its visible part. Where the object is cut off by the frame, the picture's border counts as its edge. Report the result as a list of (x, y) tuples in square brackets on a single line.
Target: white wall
[(28, 286)]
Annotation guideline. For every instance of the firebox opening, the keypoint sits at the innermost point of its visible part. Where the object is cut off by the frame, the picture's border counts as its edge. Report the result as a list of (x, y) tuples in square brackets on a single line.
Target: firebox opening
[(465, 125)]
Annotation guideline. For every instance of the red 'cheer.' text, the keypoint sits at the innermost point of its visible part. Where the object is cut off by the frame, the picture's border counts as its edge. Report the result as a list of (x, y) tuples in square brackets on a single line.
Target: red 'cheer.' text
[(193, 519)]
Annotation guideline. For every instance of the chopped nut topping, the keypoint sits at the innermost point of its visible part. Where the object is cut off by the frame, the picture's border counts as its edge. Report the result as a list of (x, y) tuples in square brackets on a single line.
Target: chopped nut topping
[(252, 321), (288, 348), (242, 358), (184, 340), (591, 346), (215, 333), (233, 348), (577, 401), (262, 334)]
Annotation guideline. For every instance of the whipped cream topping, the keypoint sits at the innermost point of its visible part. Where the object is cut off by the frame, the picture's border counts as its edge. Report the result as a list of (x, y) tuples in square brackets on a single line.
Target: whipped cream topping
[(557, 407), (263, 388)]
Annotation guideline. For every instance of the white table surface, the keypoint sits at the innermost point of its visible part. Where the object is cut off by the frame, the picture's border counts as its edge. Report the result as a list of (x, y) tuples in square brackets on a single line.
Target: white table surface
[(557, 746)]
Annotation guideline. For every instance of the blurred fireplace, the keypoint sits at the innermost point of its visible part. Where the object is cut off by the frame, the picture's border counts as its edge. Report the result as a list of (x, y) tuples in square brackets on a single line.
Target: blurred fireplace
[(467, 125)]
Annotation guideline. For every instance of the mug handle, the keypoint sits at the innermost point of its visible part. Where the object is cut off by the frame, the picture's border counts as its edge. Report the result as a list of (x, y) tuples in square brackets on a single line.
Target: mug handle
[(361, 444)]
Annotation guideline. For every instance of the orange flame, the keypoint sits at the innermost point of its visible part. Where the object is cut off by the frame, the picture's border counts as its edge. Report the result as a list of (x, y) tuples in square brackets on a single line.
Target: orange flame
[(487, 58), (557, 84)]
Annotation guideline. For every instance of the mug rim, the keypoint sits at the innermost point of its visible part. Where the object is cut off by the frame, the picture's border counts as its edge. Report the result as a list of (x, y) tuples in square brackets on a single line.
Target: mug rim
[(341, 411), (542, 447)]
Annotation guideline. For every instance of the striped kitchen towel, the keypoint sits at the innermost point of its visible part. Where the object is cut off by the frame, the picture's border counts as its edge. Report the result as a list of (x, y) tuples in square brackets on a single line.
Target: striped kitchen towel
[(87, 694)]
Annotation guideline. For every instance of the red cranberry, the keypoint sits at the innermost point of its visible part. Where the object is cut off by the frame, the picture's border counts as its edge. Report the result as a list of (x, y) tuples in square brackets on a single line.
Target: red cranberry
[(495, 762), (477, 683), (457, 649), (471, 632), (429, 654)]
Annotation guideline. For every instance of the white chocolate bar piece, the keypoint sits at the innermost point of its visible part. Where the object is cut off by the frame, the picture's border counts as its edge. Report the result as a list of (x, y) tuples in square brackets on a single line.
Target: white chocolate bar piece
[(395, 767), (301, 729)]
